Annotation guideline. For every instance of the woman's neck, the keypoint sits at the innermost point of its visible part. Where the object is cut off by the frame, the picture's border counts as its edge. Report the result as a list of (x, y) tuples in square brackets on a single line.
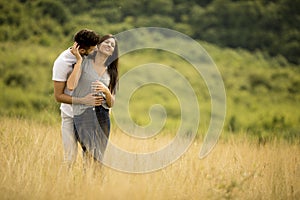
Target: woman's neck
[(100, 60)]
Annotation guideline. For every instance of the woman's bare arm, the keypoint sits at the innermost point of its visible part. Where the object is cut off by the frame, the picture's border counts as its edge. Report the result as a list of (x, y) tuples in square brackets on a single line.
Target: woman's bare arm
[(76, 73)]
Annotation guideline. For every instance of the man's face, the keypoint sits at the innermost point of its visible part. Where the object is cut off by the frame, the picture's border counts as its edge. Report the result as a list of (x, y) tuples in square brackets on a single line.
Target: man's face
[(84, 52)]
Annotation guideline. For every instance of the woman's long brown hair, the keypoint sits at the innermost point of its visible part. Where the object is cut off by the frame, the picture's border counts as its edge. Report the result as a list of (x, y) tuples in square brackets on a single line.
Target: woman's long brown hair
[(112, 64)]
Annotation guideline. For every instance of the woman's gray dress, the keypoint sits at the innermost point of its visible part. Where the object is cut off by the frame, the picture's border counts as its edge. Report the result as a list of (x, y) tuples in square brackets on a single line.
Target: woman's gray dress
[(92, 124)]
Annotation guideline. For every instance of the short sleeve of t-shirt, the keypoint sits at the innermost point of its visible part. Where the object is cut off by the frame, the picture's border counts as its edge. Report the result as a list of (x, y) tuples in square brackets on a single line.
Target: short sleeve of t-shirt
[(63, 66)]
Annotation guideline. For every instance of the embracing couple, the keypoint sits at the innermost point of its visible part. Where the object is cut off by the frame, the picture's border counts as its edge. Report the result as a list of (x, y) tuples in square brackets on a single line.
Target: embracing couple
[(85, 78)]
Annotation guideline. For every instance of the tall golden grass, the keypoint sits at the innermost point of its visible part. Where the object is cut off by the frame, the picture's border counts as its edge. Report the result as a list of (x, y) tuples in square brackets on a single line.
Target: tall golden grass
[(31, 168)]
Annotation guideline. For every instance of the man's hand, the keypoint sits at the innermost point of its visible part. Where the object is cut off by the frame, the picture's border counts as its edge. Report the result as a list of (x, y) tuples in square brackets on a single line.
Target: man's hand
[(75, 51), (91, 100)]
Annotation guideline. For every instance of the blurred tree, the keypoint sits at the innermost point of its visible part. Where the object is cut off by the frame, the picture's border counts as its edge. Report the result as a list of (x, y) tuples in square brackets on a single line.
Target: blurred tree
[(155, 20), (55, 10), (10, 13), (272, 26), (133, 8), (160, 7)]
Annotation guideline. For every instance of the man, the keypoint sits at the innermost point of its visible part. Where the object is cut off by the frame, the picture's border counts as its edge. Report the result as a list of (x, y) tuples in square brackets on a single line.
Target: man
[(85, 41)]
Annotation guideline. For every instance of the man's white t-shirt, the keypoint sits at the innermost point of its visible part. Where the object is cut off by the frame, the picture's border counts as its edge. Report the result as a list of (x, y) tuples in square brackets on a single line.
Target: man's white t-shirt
[(62, 68)]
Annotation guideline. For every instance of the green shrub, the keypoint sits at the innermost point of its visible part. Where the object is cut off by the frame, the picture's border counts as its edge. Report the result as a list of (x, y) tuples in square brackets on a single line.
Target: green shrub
[(54, 9), (18, 79), (256, 80)]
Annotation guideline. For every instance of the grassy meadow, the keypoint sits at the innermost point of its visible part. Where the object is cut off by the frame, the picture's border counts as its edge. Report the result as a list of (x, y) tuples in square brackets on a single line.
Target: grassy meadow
[(257, 156), (237, 168)]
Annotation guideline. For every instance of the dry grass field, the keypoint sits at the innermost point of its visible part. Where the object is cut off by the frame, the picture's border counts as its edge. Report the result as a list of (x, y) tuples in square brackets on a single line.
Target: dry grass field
[(237, 168)]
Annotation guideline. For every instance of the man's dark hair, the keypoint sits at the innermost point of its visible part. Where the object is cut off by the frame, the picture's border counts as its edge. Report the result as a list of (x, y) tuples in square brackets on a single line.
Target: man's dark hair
[(86, 38)]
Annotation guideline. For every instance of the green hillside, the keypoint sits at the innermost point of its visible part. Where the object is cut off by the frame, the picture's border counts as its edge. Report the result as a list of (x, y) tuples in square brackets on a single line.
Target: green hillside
[(262, 96), (270, 26), (262, 85)]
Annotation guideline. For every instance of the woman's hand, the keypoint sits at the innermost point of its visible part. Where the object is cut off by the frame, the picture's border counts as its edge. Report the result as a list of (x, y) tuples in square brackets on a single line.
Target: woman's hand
[(98, 86)]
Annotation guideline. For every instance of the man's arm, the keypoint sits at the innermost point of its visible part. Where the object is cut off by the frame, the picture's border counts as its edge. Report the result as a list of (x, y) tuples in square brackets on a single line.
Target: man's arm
[(64, 98), (59, 93)]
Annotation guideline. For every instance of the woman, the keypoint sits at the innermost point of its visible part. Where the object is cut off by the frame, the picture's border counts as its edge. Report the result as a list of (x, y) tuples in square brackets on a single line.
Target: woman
[(98, 73)]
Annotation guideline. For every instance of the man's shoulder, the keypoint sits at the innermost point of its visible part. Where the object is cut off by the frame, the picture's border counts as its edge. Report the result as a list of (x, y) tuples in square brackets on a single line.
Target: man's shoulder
[(63, 66), (66, 54), (66, 58)]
